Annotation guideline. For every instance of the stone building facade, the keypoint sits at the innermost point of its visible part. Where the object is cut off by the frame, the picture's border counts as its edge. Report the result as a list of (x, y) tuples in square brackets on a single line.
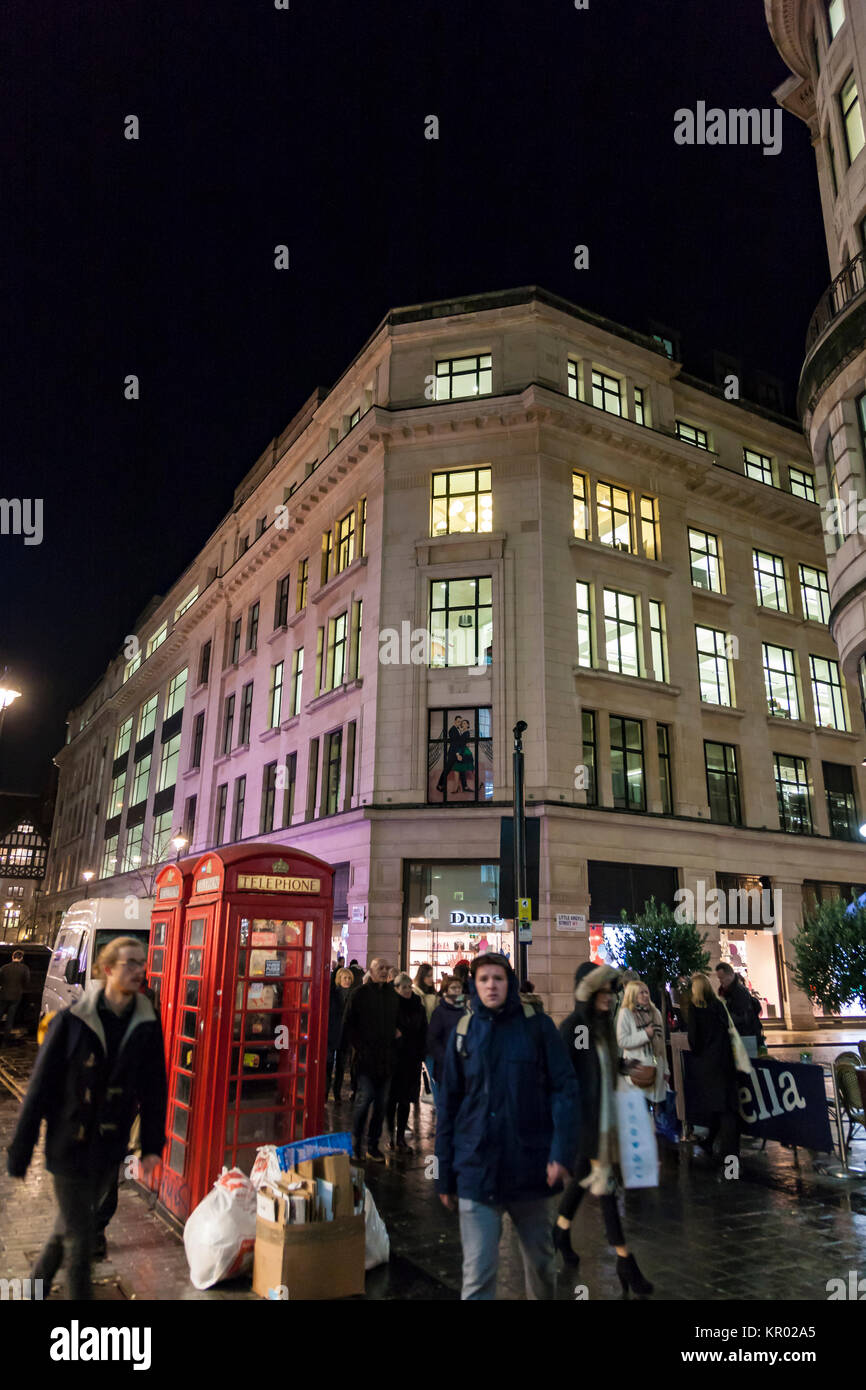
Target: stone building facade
[(506, 508)]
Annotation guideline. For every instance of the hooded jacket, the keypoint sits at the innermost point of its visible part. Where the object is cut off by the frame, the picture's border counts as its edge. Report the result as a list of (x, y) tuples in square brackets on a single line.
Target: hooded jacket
[(443, 1021), (578, 1034), (89, 1111), (508, 1104)]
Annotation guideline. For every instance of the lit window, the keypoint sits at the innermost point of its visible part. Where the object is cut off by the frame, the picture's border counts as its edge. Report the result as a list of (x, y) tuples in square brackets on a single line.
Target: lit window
[(124, 737), (607, 392), (758, 466), (852, 119), (580, 493), (186, 603), (621, 632), (458, 377), (802, 483), (461, 501), (335, 652), (585, 642), (140, 779), (691, 434), (297, 681), (161, 836), (641, 410), (658, 639), (792, 790), (835, 16), (176, 693), (771, 591), (780, 678), (168, 764), (573, 381), (461, 622), (109, 857), (705, 561), (147, 717), (815, 594), (714, 671), (115, 798), (132, 849), (459, 755), (830, 711), (613, 510), (157, 639), (303, 577), (649, 527), (345, 542), (131, 667), (275, 697)]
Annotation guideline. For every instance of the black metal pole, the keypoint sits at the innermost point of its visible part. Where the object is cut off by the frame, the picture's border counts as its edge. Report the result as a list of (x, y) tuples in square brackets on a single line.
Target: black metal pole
[(519, 848)]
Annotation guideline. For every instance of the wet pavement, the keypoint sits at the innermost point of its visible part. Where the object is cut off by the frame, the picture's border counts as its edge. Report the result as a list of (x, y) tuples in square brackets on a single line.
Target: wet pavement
[(778, 1232)]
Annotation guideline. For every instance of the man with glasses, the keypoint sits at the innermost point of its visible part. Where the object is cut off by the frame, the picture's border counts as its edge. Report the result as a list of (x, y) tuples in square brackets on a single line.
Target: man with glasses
[(101, 1063)]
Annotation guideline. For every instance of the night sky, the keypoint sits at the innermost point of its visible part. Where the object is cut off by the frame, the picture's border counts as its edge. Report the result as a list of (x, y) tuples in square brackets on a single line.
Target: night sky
[(306, 127)]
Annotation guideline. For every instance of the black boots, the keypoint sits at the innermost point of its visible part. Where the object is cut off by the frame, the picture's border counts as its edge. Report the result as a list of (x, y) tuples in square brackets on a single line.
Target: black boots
[(631, 1278), (562, 1244)]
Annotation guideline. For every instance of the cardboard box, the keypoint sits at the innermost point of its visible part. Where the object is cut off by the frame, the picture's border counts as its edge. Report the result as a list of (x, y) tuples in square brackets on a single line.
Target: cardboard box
[(320, 1259), (335, 1169)]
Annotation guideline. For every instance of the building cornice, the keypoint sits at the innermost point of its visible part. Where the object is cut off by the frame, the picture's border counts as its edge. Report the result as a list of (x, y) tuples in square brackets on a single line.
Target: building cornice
[(786, 21)]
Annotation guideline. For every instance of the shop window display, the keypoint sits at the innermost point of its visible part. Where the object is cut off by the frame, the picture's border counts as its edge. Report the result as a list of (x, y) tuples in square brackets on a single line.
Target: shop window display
[(453, 915), (460, 755)]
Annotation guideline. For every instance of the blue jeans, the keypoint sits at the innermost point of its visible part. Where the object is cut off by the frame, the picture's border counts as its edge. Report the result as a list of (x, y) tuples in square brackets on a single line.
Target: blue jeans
[(434, 1085), (480, 1230)]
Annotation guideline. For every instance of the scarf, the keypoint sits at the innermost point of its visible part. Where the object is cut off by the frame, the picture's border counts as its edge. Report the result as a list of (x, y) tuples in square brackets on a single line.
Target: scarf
[(645, 1018), (600, 1180)]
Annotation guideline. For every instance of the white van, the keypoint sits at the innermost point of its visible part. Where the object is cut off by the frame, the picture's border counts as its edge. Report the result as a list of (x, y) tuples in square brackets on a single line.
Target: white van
[(84, 930)]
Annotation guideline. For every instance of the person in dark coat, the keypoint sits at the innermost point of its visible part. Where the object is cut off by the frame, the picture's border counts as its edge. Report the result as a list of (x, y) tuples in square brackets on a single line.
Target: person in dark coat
[(101, 1062), (14, 983), (712, 1069), (371, 1028), (589, 1037), (442, 1023), (507, 1129), (341, 989), (744, 1009), (410, 1052)]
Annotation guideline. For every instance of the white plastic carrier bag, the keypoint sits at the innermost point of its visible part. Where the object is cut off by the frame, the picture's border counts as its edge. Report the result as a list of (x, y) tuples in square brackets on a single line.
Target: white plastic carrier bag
[(638, 1151), (220, 1235)]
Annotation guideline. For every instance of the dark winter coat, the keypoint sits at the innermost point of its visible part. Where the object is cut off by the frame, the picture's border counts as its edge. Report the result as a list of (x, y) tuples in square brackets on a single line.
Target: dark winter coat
[(14, 980), (443, 1021), (338, 1002), (371, 1028), (88, 1109), (410, 1049), (507, 1105), (712, 1072), (587, 1070), (743, 1009)]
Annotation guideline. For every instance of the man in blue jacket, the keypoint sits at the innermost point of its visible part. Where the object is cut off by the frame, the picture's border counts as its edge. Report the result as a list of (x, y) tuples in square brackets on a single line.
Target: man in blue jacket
[(507, 1129)]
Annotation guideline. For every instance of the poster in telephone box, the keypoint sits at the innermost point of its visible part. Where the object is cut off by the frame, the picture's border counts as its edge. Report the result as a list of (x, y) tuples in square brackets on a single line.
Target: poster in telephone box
[(244, 1005)]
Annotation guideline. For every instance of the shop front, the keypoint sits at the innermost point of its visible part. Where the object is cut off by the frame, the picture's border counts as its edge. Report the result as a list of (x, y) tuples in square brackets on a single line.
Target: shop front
[(748, 942), (451, 914)]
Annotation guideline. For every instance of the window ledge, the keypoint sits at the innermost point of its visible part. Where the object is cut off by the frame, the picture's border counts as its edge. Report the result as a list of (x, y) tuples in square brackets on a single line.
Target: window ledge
[(778, 613), (277, 633), (247, 656), (597, 548), (192, 772), (709, 708), (223, 758), (269, 734), (301, 614), (699, 592), (775, 720), (241, 748), (328, 589), (330, 695), (839, 733), (635, 682), (202, 685), (290, 723)]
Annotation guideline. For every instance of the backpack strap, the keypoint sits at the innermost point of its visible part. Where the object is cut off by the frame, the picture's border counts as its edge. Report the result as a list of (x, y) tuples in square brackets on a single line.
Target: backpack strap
[(466, 1018)]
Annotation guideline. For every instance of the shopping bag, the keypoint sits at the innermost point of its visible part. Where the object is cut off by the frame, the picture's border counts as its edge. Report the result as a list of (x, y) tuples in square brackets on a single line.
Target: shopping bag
[(378, 1242), (742, 1061), (220, 1235), (638, 1152), (266, 1167), (667, 1120)]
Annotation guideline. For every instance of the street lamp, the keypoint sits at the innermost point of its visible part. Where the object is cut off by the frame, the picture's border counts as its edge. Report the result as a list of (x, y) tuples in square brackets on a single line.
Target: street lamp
[(8, 693), (87, 875), (180, 843)]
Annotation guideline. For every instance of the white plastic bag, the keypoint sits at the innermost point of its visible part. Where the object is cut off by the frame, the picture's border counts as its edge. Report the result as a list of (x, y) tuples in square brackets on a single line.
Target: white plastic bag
[(378, 1242), (638, 1151), (266, 1168), (220, 1235)]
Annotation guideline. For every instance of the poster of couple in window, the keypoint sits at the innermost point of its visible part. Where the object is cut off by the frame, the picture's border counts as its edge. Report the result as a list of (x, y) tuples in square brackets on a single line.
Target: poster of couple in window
[(459, 755)]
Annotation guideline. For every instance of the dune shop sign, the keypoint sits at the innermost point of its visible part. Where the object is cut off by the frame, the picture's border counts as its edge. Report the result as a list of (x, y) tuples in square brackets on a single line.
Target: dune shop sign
[(785, 1101)]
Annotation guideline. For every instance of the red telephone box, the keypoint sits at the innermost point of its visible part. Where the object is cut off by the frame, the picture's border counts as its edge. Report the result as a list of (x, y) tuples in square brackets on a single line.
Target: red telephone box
[(244, 1004)]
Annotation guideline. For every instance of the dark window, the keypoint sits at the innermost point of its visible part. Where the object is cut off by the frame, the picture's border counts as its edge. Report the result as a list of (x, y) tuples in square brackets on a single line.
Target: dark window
[(246, 714), (236, 642), (627, 764), (303, 578), (220, 817), (289, 780), (269, 796), (664, 737), (253, 628), (228, 723), (238, 813), (589, 757), (723, 783), (197, 740), (312, 777), (841, 804), (204, 664), (189, 819), (350, 764), (281, 607), (333, 755)]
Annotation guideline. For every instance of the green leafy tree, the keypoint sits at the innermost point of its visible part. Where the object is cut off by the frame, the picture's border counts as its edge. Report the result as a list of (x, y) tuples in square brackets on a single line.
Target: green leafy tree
[(830, 955), (659, 948)]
